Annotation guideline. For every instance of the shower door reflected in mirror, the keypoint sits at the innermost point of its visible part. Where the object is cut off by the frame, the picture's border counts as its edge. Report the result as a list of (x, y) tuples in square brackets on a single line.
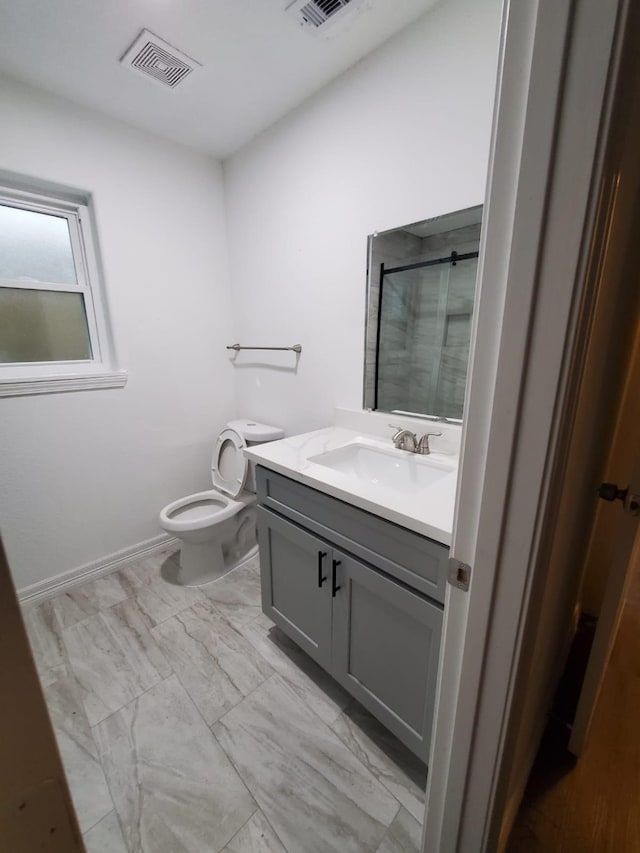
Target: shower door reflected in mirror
[(420, 304)]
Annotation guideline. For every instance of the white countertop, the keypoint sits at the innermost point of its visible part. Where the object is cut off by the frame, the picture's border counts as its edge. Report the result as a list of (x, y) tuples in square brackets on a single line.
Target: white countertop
[(429, 511)]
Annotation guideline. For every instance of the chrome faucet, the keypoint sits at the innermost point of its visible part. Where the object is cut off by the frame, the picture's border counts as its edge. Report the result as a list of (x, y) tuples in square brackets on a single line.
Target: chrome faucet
[(404, 439)]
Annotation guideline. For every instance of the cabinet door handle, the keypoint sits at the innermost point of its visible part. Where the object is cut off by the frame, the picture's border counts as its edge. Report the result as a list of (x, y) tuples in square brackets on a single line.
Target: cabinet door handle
[(334, 585), (321, 578)]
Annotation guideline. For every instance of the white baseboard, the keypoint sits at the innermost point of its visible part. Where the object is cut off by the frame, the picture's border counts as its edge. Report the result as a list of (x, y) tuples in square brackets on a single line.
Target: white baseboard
[(97, 569)]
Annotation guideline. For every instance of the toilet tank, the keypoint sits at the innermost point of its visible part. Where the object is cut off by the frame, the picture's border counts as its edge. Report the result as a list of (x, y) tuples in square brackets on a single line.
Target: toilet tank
[(254, 432)]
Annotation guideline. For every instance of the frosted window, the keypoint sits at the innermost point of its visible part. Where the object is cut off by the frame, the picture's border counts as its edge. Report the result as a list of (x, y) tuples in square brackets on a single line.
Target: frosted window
[(35, 247), (42, 325)]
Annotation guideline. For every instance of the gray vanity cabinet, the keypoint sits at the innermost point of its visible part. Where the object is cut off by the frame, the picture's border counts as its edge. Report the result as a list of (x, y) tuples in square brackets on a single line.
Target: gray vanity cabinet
[(386, 640), (349, 606), (296, 592)]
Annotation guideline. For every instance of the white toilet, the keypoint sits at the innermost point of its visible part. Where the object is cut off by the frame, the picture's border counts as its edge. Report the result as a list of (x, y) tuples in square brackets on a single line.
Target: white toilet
[(218, 527)]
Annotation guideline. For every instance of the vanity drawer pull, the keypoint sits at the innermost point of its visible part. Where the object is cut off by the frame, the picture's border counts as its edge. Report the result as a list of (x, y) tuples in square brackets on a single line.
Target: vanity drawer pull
[(334, 585), (321, 578)]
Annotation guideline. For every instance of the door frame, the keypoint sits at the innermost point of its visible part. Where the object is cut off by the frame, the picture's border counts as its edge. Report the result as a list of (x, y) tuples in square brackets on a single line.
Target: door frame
[(558, 61)]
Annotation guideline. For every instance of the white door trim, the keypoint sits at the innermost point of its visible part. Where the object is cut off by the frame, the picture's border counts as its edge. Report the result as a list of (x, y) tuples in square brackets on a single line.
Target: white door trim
[(552, 94)]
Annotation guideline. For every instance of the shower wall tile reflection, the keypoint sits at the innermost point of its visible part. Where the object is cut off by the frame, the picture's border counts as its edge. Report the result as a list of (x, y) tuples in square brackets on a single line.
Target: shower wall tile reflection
[(391, 248), (421, 339)]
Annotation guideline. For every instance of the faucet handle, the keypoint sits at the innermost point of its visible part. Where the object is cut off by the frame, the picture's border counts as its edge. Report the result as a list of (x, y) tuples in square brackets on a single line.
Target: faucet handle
[(423, 444)]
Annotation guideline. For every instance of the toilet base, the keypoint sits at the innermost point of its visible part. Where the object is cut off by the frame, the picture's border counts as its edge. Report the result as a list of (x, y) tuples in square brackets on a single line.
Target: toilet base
[(200, 564), (210, 550)]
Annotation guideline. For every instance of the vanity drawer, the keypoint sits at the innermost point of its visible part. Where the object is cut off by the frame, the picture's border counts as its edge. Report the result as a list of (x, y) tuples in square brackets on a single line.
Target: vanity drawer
[(411, 558)]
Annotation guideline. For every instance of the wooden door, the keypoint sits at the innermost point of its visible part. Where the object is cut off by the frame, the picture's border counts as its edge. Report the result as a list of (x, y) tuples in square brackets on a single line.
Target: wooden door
[(626, 554), (36, 812)]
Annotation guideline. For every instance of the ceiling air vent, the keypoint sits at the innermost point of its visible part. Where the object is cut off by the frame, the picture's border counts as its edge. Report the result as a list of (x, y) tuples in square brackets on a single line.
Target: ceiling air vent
[(316, 15), (158, 60)]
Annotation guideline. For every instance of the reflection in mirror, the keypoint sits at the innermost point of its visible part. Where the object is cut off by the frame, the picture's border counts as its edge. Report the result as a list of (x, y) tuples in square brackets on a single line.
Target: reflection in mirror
[(420, 298)]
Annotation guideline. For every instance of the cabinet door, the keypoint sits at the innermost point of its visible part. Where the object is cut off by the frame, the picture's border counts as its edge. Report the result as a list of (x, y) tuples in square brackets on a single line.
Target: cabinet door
[(386, 641), (295, 569)]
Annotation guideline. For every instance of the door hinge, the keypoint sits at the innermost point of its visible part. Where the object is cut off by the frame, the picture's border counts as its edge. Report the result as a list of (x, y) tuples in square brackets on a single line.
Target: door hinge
[(459, 574), (612, 492)]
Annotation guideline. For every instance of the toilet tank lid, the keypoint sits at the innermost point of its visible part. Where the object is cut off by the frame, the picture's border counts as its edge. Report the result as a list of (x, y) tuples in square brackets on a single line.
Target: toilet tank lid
[(254, 431)]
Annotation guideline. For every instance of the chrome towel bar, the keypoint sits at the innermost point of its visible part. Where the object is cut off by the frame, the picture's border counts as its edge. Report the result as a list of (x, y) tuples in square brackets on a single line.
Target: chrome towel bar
[(295, 348)]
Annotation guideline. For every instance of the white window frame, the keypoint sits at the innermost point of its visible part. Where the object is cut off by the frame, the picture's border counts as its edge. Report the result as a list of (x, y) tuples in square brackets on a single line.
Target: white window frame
[(99, 371)]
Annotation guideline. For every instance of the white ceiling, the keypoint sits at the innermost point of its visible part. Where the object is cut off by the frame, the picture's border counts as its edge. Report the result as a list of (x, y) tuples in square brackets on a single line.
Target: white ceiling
[(257, 62)]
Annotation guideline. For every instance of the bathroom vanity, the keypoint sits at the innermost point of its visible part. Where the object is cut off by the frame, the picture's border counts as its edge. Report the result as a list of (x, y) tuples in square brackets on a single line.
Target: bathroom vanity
[(354, 526), (349, 570)]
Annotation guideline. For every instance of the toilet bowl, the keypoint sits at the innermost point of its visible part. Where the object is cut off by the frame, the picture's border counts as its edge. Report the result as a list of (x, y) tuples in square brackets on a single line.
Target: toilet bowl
[(218, 527)]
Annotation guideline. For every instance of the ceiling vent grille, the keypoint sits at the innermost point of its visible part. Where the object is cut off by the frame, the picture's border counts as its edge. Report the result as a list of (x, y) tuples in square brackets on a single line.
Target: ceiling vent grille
[(318, 14), (158, 60)]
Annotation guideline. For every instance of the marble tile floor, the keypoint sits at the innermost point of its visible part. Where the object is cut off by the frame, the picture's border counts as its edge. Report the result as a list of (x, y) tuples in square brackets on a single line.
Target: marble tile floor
[(188, 722)]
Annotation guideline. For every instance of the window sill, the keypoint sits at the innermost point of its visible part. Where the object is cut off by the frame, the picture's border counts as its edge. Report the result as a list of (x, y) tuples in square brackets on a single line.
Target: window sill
[(59, 384)]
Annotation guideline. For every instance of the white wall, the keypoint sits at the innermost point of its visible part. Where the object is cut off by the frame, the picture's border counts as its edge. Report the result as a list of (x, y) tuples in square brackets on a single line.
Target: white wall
[(85, 474), (401, 137)]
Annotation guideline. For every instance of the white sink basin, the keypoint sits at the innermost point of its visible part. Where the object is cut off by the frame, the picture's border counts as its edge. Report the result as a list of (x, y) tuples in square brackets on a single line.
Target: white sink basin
[(393, 469)]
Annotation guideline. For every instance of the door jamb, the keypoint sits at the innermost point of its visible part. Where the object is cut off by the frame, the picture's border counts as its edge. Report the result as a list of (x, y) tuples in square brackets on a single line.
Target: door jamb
[(556, 59)]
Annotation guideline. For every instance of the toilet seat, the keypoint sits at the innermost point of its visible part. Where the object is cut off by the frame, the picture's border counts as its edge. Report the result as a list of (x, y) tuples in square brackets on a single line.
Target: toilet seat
[(229, 465), (217, 528), (197, 511)]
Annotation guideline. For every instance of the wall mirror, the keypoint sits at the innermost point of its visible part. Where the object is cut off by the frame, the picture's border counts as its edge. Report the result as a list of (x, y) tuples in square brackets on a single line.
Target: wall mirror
[(420, 295)]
